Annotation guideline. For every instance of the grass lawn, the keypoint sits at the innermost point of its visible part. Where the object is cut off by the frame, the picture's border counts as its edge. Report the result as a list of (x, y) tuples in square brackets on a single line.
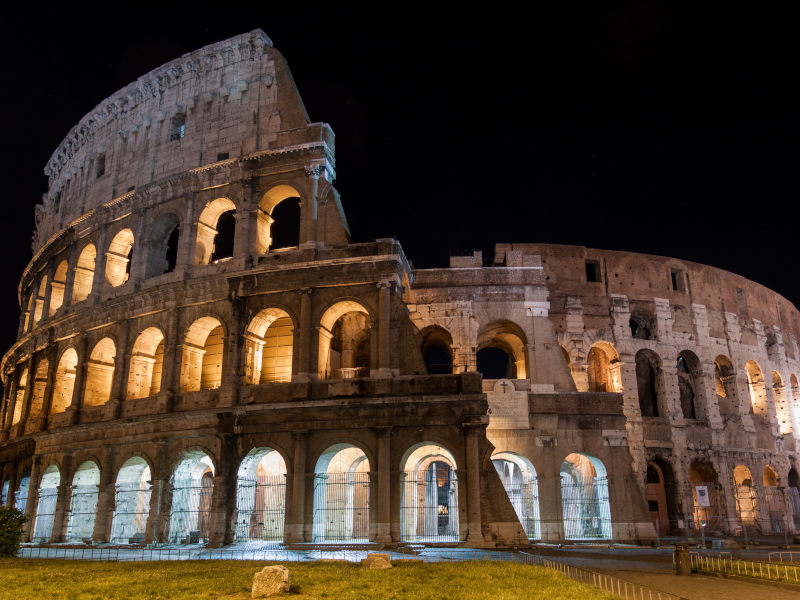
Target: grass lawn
[(23, 579)]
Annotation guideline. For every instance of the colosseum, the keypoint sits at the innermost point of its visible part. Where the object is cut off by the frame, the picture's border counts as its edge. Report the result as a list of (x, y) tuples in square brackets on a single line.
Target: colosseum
[(204, 357)]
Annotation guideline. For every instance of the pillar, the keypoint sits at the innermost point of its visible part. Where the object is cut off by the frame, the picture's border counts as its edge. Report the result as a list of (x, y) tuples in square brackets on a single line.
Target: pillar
[(550, 502), (51, 273), (160, 498), (168, 377), (47, 400), (80, 376), (12, 399), (69, 284), (105, 498), (384, 330), (122, 363), (32, 306), (33, 494), (384, 485), (304, 354), (475, 532), (188, 236), (99, 266), (26, 398), (295, 532), (309, 209), (223, 498), (140, 253), (62, 504)]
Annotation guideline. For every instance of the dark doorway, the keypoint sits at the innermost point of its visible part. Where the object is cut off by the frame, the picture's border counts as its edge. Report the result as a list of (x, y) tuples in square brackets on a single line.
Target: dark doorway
[(223, 241), (285, 229)]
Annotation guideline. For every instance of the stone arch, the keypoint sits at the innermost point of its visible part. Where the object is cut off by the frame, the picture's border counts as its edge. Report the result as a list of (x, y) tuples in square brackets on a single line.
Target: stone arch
[(269, 222), (132, 492), (344, 340), (39, 386), (603, 368), (146, 364), (758, 392), (118, 258), (688, 386), (84, 273), (508, 337), (648, 372), (47, 496), (341, 494), (661, 494), (192, 490), (436, 345), (162, 248), (207, 229), (100, 373), (65, 380), (23, 488), (261, 496), (57, 287), (83, 501), (584, 497), (203, 353), (724, 376), (782, 409), (706, 500), (429, 494), (642, 324), (39, 304), (269, 344), (745, 494), (22, 384), (518, 476)]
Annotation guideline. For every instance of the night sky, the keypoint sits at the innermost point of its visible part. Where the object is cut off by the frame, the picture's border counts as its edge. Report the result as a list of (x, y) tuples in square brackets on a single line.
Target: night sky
[(651, 127)]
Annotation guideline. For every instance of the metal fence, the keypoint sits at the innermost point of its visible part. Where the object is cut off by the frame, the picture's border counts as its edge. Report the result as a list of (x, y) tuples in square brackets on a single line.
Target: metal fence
[(587, 511), (760, 570), (131, 509), (191, 508), (82, 511), (429, 505), (341, 507), (45, 514), (524, 497), (261, 506)]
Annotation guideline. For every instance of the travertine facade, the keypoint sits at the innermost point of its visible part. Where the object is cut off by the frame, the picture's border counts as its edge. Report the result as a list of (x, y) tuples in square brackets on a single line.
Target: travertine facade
[(179, 377)]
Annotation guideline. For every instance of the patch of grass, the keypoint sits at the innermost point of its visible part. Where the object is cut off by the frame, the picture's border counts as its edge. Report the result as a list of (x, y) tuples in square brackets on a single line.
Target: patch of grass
[(231, 580)]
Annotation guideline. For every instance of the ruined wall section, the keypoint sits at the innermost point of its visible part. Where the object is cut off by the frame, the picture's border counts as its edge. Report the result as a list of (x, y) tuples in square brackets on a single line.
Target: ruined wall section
[(222, 102)]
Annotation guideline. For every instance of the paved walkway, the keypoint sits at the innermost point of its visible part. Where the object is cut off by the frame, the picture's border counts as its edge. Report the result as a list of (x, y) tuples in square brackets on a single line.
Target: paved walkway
[(655, 572)]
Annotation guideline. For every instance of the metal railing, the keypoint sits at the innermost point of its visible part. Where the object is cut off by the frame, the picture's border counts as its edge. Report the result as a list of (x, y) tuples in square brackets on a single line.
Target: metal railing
[(770, 571), (791, 556)]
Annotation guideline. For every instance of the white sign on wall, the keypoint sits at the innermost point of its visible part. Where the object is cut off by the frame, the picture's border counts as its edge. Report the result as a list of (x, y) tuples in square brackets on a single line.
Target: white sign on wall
[(508, 408), (702, 496)]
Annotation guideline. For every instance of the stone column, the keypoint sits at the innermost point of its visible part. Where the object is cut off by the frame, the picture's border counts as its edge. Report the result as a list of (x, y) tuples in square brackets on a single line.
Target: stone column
[(12, 399), (160, 498), (74, 409), (99, 266), (32, 307), (33, 494), (668, 392), (69, 284), (168, 378), (550, 501), (105, 498), (188, 236), (309, 208), (475, 534), (122, 363), (384, 330), (51, 273), (62, 504), (233, 374), (244, 221), (706, 393), (384, 485), (223, 498), (296, 533), (47, 400), (304, 355), (139, 266), (26, 398)]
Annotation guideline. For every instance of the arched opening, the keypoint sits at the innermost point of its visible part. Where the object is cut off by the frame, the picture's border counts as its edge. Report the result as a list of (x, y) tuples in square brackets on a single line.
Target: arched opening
[(641, 324), (774, 501), (584, 497), (65, 381), (21, 385), (5, 490), (745, 496), (162, 249), (39, 305), (706, 501), (39, 385), (278, 219), (429, 495), (192, 489), (201, 363), (84, 274), (261, 497), (508, 338), (758, 390), (57, 287), (29, 312), (519, 480), (794, 497), (23, 487), (603, 368), (285, 227), (688, 367), (146, 364), (132, 493), (341, 495), (344, 341), (725, 384), (437, 350), (269, 343), (83, 502), (100, 373), (781, 404), (118, 258), (46, 500), (660, 489), (215, 234), (648, 366)]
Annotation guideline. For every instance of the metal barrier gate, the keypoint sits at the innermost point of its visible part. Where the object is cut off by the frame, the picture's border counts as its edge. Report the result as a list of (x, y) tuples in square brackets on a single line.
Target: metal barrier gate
[(429, 505), (191, 509), (131, 509), (524, 497), (261, 505), (45, 514), (587, 511), (341, 507), (82, 512)]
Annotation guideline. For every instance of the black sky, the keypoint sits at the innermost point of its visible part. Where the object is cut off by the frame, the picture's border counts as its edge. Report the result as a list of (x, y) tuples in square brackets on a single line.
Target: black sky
[(653, 127)]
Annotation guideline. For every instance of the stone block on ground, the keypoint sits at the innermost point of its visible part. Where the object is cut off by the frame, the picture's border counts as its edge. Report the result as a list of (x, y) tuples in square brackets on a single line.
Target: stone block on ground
[(271, 581), (376, 561)]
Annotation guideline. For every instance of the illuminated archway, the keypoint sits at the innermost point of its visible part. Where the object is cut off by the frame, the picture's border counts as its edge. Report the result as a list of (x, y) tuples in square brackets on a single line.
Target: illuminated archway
[(261, 497), (429, 495), (520, 482), (584, 498), (341, 495), (132, 493)]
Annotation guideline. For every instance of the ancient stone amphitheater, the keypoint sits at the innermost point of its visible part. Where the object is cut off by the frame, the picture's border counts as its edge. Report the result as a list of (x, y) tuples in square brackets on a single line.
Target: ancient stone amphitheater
[(204, 357)]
